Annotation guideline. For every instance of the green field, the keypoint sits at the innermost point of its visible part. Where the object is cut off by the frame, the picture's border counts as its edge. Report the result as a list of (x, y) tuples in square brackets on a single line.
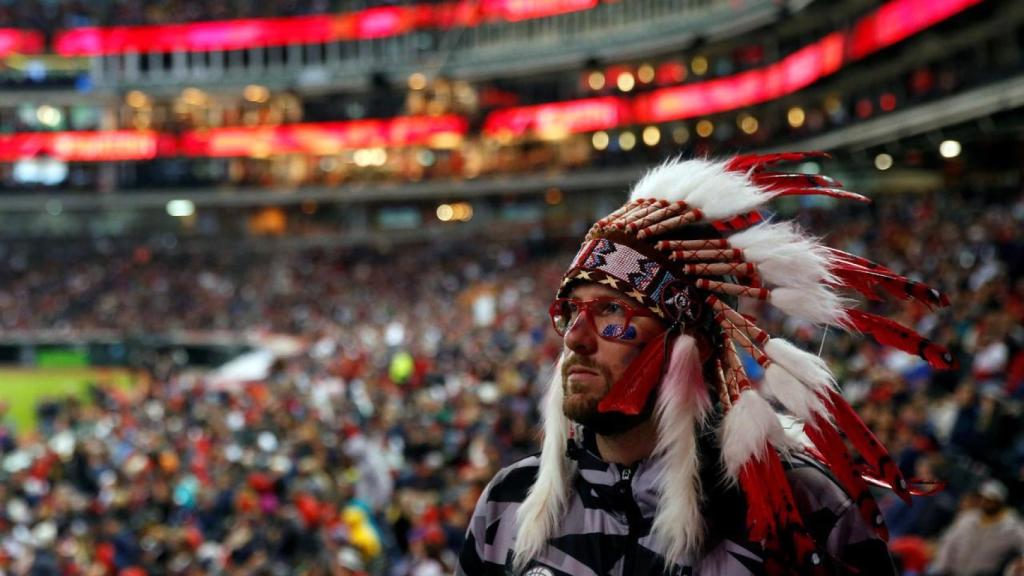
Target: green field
[(21, 388)]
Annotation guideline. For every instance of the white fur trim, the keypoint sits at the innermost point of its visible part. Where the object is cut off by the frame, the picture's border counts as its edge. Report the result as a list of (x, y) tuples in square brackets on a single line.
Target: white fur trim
[(682, 407), (784, 255), (703, 184), (804, 366), (747, 426), (544, 506), (796, 397), (814, 303)]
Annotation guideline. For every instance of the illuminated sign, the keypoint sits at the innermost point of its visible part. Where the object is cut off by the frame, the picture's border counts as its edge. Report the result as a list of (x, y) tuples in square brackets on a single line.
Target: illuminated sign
[(313, 138), (82, 146), (889, 24), (15, 41), (515, 10), (380, 22), (560, 118), (322, 138)]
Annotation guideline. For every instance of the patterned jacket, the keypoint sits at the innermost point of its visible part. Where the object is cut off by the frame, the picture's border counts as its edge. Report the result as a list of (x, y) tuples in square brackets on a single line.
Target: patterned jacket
[(607, 527)]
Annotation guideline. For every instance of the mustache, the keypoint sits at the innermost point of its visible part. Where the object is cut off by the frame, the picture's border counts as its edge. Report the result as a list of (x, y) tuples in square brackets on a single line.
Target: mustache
[(582, 362)]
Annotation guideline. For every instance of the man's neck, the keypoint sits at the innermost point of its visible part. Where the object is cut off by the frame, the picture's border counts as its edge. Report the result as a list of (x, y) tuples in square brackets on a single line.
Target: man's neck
[(629, 447)]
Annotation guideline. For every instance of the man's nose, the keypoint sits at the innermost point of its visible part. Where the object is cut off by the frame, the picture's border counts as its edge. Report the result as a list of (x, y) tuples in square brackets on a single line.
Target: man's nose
[(580, 337)]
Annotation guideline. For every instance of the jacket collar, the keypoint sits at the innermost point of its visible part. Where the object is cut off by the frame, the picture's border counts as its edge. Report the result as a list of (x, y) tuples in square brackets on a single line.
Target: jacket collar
[(597, 477)]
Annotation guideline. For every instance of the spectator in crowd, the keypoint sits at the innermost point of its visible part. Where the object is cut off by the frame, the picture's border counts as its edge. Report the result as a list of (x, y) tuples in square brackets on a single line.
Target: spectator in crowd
[(983, 539)]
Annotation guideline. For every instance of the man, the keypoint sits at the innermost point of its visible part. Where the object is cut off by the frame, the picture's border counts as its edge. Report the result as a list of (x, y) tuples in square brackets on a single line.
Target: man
[(659, 454), (982, 540)]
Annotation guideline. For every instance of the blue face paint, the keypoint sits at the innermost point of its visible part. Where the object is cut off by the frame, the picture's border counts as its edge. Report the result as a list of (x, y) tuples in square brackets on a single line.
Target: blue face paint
[(612, 329)]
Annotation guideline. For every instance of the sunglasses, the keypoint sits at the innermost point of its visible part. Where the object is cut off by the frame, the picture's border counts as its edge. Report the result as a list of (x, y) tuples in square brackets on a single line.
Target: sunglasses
[(609, 317)]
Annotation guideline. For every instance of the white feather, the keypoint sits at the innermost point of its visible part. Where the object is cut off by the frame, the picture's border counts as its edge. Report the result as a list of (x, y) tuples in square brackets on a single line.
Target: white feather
[(656, 181), (544, 506), (704, 184), (804, 366), (784, 255), (682, 406), (747, 426), (793, 394), (814, 303)]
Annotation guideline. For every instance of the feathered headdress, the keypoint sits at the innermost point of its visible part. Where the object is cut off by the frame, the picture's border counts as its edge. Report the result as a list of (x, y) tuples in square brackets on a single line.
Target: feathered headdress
[(688, 244)]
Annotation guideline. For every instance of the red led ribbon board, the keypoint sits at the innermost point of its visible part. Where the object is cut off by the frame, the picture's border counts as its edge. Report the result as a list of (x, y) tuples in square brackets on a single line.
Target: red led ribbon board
[(560, 118), (83, 146), (366, 24), (237, 34), (14, 41), (321, 138), (310, 138), (515, 10), (889, 24)]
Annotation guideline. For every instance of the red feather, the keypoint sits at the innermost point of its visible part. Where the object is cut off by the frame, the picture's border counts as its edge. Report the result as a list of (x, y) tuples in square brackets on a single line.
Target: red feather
[(739, 222), (760, 519), (865, 281), (889, 333), (629, 394), (869, 264), (789, 549), (915, 486), (773, 180), (833, 192), (758, 162), (838, 459), (874, 453)]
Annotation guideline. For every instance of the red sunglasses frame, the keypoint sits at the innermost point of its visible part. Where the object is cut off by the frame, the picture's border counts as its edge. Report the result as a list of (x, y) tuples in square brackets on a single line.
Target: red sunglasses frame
[(584, 307)]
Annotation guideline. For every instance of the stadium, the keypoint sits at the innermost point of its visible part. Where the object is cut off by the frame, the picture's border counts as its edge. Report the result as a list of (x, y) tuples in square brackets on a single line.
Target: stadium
[(275, 276)]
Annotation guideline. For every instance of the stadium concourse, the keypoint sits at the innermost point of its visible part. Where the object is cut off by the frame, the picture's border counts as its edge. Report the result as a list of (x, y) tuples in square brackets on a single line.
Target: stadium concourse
[(365, 452)]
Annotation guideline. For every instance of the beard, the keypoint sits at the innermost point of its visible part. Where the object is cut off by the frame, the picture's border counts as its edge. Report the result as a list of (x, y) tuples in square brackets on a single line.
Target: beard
[(580, 402)]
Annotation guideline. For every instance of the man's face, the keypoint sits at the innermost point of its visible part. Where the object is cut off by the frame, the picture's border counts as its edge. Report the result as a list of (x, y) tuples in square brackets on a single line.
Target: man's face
[(991, 506), (591, 364)]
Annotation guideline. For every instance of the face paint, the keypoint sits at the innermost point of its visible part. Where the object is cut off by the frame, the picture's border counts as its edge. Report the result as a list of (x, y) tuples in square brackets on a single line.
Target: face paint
[(612, 329)]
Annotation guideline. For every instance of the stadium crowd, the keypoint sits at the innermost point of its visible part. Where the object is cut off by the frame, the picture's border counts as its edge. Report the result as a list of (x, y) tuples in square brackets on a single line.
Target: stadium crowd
[(365, 453)]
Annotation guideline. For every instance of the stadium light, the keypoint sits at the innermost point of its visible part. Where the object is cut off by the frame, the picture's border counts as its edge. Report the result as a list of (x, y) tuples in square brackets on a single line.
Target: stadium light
[(680, 135), (181, 208), (48, 115), (627, 141), (645, 73), (136, 99), (417, 81), (705, 128), (748, 123), (699, 65), (600, 140), (596, 80), (256, 93), (949, 149), (883, 161), (652, 135), (796, 116), (462, 211), (445, 212), (626, 81), (193, 96)]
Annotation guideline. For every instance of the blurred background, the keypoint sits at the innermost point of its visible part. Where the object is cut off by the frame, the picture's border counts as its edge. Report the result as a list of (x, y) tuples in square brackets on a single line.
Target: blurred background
[(274, 275)]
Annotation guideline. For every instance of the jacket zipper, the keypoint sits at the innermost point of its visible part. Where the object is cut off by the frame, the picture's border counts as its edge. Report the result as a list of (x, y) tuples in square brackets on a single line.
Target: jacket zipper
[(634, 519)]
